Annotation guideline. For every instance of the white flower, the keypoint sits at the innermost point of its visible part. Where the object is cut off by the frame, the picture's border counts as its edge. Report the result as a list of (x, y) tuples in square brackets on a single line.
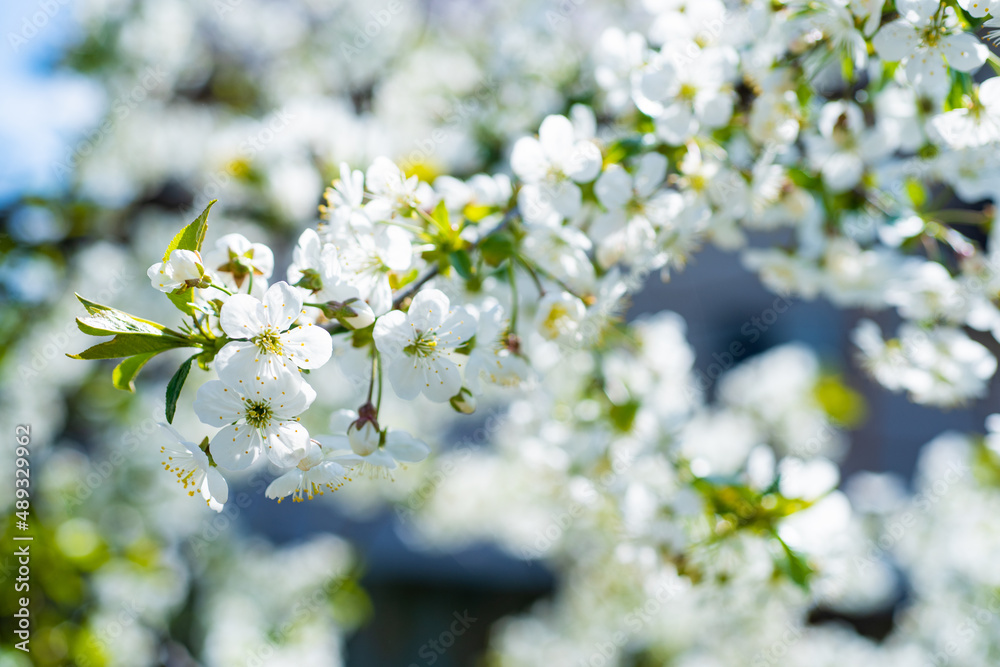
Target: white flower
[(264, 345), (480, 190), (367, 259), (394, 447), (393, 194), (618, 58), (844, 146), (420, 343), (808, 480), (980, 8), (258, 418), (183, 267), (559, 316), (938, 366), (925, 39), (627, 230), (235, 258), (345, 201), (314, 473), (551, 165), (783, 272), (689, 94), (974, 173), (924, 291), (775, 118), (191, 465), (977, 125), (563, 252), (492, 358), (316, 269)]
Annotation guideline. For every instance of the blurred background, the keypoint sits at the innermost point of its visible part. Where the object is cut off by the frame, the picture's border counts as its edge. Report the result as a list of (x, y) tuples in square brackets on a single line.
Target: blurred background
[(120, 119)]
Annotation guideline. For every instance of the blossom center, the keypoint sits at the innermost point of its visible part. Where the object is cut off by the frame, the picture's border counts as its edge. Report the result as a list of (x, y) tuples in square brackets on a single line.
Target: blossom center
[(258, 413), (268, 341), (423, 345)]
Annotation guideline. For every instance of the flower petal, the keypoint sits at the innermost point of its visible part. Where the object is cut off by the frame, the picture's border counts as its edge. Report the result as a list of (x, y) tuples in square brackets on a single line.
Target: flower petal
[(556, 138), (215, 488), (428, 309), (458, 328), (391, 334), (614, 187), (404, 447), (283, 305), (307, 346), (217, 405), (285, 485), (235, 447), (896, 40), (285, 443), (528, 161), (407, 377), (964, 51), (239, 362), (441, 379), (242, 316)]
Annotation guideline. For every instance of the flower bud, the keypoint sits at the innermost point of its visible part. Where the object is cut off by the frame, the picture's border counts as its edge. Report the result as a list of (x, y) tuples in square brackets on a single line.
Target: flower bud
[(352, 314), (363, 436), (464, 402)]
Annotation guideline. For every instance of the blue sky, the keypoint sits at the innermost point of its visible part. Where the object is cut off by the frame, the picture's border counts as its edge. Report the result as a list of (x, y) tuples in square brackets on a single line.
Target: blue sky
[(42, 111)]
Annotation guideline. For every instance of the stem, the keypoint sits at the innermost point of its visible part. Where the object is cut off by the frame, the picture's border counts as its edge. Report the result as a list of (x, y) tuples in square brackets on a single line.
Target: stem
[(437, 223), (534, 276), (381, 381), (201, 327), (513, 297), (412, 288), (221, 289), (250, 286), (958, 215), (994, 61), (371, 382), (410, 228), (551, 277)]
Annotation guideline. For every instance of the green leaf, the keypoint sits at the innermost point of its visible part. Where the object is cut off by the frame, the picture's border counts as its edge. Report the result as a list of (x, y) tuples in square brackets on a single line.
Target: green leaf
[(795, 565), (441, 215), (622, 416), (184, 301), (175, 385), (442, 219), (192, 236), (124, 374), (127, 345), (916, 191), (399, 280), (497, 247), (463, 265), (104, 320)]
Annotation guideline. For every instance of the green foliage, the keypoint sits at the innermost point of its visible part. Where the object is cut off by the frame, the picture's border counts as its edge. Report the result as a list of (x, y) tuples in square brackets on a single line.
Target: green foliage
[(462, 264), (191, 236), (104, 320), (497, 248), (127, 345), (732, 507), (174, 387), (137, 340), (841, 403), (184, 301), (123, 376)]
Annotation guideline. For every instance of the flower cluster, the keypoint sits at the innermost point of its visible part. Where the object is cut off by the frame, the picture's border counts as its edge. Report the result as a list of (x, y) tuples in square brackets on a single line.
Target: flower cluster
[(712, 138), (844, 149)]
